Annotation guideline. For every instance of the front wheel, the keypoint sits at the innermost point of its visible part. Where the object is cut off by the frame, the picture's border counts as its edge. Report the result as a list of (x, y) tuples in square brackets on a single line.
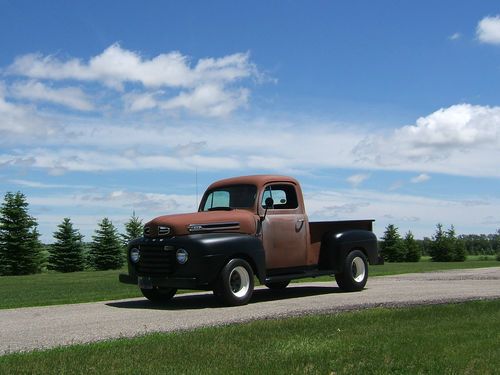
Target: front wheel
[(159, 295), (354, 272), (235, 284)]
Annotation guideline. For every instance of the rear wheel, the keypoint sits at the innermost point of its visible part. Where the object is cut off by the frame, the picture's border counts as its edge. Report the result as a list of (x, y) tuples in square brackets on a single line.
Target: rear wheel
[(278, 285), (159, 295), (354, 272), (235, 284)]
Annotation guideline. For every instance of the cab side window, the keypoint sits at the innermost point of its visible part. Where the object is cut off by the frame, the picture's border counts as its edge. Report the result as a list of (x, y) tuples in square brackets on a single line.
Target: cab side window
[(283, 195)]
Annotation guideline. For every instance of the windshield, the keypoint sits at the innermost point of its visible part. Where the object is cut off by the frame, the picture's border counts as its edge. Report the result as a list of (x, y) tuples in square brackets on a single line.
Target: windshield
[(228, 197)]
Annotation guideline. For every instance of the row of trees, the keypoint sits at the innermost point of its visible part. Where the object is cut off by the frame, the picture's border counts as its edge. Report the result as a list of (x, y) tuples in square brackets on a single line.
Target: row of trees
[(444, 246), (21, 251)]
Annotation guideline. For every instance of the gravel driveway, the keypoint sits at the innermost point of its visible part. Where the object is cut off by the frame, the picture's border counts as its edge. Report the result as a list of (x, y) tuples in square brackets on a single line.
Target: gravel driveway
[(44, 327)]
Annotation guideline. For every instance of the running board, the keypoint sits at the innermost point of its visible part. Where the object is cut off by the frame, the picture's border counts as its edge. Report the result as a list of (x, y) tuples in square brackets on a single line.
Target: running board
[(301, 275)]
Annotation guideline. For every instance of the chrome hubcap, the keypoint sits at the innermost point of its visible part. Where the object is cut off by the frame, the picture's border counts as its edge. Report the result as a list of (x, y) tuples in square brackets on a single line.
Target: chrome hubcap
[(358, 269), (239, 281)]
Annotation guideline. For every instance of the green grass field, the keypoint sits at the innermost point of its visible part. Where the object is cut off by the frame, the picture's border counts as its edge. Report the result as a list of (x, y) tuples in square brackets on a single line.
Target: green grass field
[(446, 339), (61, 288)]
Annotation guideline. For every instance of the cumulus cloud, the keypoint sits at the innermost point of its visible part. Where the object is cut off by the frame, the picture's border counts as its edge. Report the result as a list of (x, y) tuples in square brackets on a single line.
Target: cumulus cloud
[(458, 125), (420, 178), (462, 139), (211, 100), (72, 97), (116, 66), (455, 36), (168, 81), (488, 30)]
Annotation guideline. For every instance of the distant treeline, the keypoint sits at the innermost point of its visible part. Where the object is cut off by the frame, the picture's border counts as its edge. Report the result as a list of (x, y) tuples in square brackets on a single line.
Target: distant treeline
[(475, 244)]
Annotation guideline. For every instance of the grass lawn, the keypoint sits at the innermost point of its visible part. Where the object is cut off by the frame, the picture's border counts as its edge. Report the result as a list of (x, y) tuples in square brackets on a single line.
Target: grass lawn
[(61, 288), (446, 339)]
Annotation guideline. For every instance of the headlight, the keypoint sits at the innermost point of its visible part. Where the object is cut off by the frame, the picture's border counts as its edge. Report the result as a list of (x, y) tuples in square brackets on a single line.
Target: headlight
[(135, 255), (182, 256)]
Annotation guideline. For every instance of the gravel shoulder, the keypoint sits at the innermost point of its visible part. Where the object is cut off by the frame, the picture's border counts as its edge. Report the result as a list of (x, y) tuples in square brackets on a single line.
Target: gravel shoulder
[(32, 328)]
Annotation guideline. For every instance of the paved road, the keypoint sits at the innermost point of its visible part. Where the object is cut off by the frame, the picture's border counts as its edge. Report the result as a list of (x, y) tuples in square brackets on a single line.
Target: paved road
[(45, 327)]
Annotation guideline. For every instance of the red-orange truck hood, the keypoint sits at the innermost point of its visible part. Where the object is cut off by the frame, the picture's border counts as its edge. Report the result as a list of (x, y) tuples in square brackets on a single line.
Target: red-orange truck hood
[(236, 221)]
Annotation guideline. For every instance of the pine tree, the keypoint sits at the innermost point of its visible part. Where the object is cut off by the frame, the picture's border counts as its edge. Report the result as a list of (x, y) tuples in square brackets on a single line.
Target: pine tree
[(392, 246), (439, 250), (457, 246), (413, 252), (106, 249), (20, 247), (66, 254), (133, 229), (446, 247)]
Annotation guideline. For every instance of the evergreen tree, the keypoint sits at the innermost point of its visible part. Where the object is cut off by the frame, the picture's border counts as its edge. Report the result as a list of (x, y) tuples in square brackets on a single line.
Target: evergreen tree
[(66, 254), (446, 247), (133, 229), (106, 248), (413, 252), (457, 246), (20, 247), (392, 246)]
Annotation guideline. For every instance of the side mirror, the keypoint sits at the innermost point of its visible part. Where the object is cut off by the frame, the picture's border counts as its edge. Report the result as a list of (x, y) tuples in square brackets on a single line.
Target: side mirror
[(269, 203)]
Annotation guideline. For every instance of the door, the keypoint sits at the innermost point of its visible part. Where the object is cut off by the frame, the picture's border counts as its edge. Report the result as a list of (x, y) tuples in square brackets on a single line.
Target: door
[(284, 230)]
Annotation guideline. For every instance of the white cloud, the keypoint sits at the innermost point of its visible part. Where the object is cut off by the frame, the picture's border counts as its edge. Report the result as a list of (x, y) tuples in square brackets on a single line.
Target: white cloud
[(209, 99), (458, 125), (488, 30), (356, 179), (462, 139), (455, 36), (420, 178), (207, 88), (22, 123), (71, 97), (116, 66)]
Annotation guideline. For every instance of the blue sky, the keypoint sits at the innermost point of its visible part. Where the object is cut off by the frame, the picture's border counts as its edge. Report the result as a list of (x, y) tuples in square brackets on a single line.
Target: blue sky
[(384, 110)]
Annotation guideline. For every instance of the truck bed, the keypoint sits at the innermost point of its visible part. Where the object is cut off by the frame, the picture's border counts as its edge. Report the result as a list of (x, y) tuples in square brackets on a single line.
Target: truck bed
[(318, 228)]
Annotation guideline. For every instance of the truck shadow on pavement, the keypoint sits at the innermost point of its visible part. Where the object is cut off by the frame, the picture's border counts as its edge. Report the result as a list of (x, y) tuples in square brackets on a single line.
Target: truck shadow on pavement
[(207, 300)]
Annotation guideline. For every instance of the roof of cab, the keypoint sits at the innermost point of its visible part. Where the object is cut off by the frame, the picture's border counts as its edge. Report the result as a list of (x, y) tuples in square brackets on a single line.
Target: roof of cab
[(258, 180)]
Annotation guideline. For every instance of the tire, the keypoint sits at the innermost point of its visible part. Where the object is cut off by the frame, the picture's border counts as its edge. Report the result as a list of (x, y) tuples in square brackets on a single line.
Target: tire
[(278, 285), (354, 272), (159, 295), (235, 283)]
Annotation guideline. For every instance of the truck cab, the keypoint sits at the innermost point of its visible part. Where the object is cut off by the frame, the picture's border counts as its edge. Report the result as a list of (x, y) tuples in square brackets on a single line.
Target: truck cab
[(248, 226)]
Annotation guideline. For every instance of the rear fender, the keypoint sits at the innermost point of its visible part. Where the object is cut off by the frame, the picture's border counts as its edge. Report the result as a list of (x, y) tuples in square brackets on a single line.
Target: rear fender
[(336, 246)]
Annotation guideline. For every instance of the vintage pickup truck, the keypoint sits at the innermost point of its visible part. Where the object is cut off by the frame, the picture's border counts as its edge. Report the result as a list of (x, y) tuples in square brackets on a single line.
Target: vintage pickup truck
[(246, 226)]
